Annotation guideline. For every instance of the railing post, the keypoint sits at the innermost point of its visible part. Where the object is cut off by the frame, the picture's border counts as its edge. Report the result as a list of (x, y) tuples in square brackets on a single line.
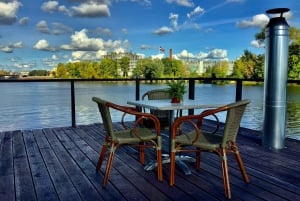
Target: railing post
[(238, 90), (73, 104), (191, 93), (137, 89)]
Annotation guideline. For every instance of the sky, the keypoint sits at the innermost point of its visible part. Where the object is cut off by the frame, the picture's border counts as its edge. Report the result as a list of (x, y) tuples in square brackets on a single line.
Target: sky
[(39, 34)]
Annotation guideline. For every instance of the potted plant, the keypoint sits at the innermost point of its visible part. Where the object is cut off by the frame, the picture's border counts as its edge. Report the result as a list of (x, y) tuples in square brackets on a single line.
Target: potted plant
[(176, 90)]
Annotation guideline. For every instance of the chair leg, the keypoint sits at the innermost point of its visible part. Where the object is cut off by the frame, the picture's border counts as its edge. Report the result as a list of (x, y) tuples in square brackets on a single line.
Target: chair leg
[(159, 165), (142, 153), (225, 174), (198, 160), (109, 165), (172, 168), (101, 157), (241, 165)]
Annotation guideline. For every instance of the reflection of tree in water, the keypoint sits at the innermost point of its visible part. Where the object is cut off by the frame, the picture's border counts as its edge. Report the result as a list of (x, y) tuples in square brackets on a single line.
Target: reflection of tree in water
[(293, 118)]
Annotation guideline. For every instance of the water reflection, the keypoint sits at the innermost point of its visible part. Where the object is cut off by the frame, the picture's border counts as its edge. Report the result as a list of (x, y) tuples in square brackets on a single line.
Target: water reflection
[(293, 110)]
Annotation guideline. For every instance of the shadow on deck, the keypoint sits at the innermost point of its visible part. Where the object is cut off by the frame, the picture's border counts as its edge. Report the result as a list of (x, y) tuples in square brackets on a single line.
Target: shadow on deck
[(59, 164)]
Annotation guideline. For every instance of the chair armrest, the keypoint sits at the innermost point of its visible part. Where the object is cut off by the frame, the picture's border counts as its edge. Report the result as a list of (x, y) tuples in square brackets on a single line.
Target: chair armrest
[(197, 120), (140, 116)]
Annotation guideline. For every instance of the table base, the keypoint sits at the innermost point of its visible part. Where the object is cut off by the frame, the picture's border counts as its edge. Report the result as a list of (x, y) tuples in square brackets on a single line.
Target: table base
[(179, 160)]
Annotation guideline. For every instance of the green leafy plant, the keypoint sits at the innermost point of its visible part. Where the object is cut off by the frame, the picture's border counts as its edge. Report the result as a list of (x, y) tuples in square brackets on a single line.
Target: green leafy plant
[(176, 89)]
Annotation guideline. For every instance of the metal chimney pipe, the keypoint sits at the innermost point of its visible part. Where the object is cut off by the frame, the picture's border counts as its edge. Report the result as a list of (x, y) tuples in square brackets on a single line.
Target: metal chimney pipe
[(276, 61)]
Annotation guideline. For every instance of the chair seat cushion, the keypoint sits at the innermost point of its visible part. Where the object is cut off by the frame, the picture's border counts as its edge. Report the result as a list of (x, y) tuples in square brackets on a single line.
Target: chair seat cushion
[(205, 140), (128, 137)]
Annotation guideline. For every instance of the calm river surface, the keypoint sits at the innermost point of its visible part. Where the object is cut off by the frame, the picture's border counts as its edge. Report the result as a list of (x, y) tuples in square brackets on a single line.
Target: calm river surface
[(40, 105)]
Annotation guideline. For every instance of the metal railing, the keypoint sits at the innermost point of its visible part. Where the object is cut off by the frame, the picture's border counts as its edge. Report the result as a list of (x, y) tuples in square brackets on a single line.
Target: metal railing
[(138, 81)]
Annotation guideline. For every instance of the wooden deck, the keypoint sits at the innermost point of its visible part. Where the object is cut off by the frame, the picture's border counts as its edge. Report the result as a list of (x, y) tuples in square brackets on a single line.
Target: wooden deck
[(59, 164)]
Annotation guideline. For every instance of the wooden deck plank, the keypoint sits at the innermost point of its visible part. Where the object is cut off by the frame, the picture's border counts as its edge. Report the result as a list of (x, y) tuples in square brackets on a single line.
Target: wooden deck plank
[(62, 183), (86, 161), (23, 179), (44, 187), (80, 181), (59, 164), (133, 194), (7, 190)]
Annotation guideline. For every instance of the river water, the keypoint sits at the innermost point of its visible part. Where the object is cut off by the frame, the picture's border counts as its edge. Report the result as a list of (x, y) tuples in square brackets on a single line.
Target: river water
[(33, 105)]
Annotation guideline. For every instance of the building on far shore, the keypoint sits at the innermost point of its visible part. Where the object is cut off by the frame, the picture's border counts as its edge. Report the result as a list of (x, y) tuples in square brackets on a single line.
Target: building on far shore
[(194, 65)]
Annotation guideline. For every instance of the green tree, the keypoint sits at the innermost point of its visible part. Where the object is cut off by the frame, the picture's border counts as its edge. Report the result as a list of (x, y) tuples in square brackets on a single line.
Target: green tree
[(220, 69), (167, 66), (238, 69), (148, 68), (247, 65), (38, 73), (61, 71), (124, 65), (138, 71), (294, 62), (108, 68), (293, 54), (259, 67), (88, 70)]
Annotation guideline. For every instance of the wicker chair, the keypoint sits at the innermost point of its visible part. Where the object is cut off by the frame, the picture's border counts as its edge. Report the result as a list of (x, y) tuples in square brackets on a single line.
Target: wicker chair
[(159, 94), (197, 140), (132, 136)]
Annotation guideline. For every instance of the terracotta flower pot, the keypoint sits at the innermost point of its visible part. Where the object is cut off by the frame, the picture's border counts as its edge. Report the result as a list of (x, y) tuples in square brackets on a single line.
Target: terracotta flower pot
[(175, 100)]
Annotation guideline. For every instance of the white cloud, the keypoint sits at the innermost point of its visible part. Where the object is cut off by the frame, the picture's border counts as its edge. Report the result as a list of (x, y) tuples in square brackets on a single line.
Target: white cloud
[(43, 45), (7, 49), (87, 48), (24, 21), (260, 20), (256, 44), (184, 54), (53, 6), (158, 56), (163, 30), (80, 41), (42, 26), (8, 12), (186, 3), (63, 9), (102, 32), (91, 10), (59, 28), (202, 55), (19, 44), (217, 54), (50, 6), (10, 48), (174, 20), (197, 11)]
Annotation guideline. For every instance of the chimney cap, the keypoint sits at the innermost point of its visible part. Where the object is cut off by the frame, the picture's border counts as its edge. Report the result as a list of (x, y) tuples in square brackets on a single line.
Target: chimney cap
[(278, 10)]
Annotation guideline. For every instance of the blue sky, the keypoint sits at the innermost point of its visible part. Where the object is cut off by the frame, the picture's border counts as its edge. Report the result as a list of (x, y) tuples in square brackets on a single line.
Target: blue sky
[(38, 34)]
